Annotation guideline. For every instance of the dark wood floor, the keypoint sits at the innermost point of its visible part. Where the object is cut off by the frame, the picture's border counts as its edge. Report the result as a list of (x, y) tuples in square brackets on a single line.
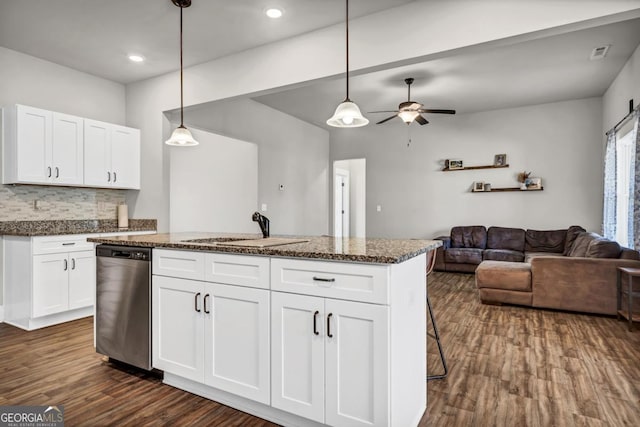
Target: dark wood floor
[(509, 366)]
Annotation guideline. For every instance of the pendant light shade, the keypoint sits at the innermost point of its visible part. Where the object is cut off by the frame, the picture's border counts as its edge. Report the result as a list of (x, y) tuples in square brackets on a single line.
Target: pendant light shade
[(181, 137), (347, 114)]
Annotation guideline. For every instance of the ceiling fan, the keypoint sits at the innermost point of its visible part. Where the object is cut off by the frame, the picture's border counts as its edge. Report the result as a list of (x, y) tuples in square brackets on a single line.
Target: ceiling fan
[(411, 111)]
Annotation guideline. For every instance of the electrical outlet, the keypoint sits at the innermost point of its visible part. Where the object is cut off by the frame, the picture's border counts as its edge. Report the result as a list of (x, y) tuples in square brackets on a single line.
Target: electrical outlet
[(379, 208), (264, 207)]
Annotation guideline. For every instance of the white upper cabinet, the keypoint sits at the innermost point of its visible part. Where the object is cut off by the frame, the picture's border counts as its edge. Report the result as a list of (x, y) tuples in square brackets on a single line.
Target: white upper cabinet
[(42, 147), (49, 148), (111, 155)]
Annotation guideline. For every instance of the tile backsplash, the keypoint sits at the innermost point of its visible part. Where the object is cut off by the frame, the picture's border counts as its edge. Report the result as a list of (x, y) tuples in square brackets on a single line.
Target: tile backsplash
[(34, 202)]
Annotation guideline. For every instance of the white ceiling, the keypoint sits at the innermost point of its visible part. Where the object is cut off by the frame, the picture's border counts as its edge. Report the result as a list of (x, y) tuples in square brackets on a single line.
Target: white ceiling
[(546, 70), (95, 36)]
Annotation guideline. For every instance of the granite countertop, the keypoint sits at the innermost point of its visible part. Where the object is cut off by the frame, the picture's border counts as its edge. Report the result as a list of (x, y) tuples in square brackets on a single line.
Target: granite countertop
[(366, 250), (73, 226)]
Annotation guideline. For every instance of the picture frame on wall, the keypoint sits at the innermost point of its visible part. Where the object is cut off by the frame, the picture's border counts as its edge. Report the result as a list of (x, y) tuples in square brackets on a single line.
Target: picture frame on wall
[(455, 164), (478, 186), (534, 183), (500, 160)]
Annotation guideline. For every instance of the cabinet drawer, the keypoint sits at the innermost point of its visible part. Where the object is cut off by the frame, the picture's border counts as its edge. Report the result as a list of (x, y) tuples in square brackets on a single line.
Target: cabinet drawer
[(239, 270), (57, 244), (182, 264), (355, 282)]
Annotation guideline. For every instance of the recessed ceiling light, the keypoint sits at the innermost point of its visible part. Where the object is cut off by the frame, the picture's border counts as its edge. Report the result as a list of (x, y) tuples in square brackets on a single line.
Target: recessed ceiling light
[(136, 58), (274, 12)]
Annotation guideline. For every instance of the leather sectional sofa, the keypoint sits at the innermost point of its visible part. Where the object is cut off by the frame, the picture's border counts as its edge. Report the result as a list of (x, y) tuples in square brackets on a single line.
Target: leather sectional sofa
[(567, 269)]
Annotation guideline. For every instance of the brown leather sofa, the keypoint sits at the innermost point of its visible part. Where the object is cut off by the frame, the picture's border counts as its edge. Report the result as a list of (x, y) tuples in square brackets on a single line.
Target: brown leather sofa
[(561, 269)]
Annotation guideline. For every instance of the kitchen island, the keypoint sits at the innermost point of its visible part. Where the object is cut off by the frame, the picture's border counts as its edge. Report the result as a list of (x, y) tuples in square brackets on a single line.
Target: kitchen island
[(322, 332)]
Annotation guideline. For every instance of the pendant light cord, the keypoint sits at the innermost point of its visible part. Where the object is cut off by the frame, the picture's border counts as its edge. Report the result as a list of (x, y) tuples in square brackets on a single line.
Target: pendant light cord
[(347, 38), (181, 84)]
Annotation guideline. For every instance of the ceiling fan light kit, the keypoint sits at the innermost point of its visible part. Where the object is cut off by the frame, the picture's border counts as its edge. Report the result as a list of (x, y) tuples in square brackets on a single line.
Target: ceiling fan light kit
[(347, 114), (181, 137)]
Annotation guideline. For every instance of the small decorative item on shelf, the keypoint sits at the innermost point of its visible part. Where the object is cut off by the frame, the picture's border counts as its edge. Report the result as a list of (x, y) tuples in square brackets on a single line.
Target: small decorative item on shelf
[(454, 164), (500, 160), (534, 183), (522, 179), (487, 186), (478, 186)]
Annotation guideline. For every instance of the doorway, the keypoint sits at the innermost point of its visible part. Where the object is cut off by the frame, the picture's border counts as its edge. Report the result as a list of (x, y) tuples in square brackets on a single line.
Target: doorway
[(349, 198)]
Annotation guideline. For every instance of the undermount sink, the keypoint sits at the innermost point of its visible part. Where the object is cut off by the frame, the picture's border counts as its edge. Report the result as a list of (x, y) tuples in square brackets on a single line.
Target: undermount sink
[(248, 243)]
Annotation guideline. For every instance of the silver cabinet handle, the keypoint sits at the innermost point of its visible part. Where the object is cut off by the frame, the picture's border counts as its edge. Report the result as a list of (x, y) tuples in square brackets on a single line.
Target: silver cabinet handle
[(49, 171), (57, 172), (66, 264), (108, 176), (115, 177), (73, 263)]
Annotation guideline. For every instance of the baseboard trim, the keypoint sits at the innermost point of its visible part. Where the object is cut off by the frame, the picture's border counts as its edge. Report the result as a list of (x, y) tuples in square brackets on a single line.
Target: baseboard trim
[(1, 313)]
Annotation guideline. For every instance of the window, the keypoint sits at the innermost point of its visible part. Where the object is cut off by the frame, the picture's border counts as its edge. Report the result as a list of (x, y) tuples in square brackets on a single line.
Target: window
[(624, 158)]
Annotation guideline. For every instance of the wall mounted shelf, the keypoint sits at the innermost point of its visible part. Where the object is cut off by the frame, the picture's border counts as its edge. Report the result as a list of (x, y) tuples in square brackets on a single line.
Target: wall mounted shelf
[(497, 190), (475, 167)]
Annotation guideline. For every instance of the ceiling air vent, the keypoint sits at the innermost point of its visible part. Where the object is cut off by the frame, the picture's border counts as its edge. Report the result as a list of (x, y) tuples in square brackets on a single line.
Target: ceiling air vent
[(599, 52)]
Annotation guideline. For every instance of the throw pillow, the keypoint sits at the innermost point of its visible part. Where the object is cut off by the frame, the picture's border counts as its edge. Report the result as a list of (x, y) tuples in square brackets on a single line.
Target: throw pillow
[(603, 248), (572, 233)]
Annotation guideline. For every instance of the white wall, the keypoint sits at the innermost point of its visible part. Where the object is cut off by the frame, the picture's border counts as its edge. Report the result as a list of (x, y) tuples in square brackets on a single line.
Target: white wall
[(626, 86), (214, 185), (559, 142), (290, 152), (379, 41), (32, 81)]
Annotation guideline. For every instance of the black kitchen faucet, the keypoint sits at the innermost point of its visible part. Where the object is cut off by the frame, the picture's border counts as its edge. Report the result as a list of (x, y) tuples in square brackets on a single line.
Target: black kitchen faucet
[(263, 222)]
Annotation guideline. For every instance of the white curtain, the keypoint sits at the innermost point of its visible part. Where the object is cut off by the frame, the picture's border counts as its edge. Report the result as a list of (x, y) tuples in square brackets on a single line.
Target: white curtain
[(634, 187), (610, 192)]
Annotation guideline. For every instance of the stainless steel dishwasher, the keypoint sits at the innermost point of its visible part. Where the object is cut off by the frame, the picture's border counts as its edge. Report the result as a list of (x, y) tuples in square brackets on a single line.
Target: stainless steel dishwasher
[(123, 304)]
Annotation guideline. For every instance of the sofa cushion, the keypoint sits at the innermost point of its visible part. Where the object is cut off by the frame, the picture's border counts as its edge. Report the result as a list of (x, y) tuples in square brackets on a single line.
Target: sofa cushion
[(528, 256), (572, 233), (581, 244), (513, 276), (463, 255), (545, 240), (603, 248), (473, 236), (503, 255), (505, 238)]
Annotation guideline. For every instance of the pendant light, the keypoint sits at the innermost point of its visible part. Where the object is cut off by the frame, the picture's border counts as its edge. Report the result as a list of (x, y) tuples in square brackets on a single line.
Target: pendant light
[(181, 137), (347, 115)]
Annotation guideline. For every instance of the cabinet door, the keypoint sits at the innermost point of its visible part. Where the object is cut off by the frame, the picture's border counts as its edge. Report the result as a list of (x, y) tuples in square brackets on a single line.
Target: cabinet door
[(237, 340), (125, 157), (67, 150), (178, 327), (357, 364), (82, 279), (97, 153), (297, 370), (50, 284), (33, 144)]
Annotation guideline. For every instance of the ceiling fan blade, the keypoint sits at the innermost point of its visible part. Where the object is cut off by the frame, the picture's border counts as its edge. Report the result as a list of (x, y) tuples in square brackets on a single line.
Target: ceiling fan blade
[(421, 120), (389, 111), (386, 120), (435, 111)]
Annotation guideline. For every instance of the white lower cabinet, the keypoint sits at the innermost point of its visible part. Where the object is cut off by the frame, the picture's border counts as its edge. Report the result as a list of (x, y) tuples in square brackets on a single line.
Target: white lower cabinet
[(214, 334), (63, 282), (330, 359)]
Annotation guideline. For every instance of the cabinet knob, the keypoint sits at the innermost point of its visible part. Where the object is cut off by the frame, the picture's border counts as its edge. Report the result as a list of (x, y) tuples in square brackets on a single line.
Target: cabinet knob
[(196, 302), (329, 325)]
